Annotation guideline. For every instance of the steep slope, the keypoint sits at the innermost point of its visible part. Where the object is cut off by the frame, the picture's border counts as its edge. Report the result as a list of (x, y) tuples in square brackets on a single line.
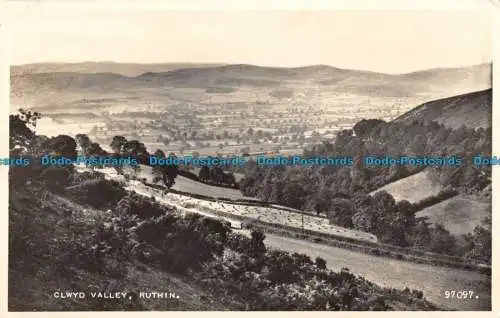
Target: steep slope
[(471, 110), (460, 215), (32, 284), (413, 188)]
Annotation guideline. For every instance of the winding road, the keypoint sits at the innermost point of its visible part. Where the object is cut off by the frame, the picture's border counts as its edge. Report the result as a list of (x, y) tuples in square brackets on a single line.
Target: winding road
[(432, 280)]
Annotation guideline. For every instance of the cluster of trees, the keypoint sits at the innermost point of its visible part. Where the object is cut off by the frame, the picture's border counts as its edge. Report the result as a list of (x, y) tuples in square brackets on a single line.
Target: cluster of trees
[(24, 142), (215, 175), (478, 243), (341, 192), (166, 173), (136, 149)]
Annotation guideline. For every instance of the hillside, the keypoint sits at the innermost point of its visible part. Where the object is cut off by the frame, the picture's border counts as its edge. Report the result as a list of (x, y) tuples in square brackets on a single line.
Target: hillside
[(413, 188), (49, 276), (471, 110), (459, 215)]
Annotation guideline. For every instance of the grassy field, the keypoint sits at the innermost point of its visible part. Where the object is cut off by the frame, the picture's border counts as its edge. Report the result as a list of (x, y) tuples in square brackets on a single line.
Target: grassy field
[(187, 185), (265, 214), (413, 188), (459, 215)]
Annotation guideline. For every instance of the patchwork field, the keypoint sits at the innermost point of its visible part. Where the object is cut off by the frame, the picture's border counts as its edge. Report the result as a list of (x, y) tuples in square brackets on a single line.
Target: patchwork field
[(413, 188), (264, 214), (459, 215)]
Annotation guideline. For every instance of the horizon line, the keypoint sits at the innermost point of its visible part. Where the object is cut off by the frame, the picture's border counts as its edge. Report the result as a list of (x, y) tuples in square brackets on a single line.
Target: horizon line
[(490, 63)]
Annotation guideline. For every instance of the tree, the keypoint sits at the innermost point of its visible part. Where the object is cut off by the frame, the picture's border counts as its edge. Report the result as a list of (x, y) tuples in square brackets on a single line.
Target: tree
[(137, 150), (441, 240), (37, 146), (204, 173), (322, 200), (21, 128), (320, 263), (386, 208), (95, 150), (228, 178), (216, 174), (406, 214), (365, 127), (341, 212), (293, 195), (158, 170), (117, 144), (170, 172), (276, 194), (479, 242), (61, 145), (56, 178), (83, 142), (257, 246)]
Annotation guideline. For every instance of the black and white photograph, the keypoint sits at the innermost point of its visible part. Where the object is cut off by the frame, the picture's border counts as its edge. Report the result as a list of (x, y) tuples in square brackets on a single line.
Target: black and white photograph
[(249, 160)]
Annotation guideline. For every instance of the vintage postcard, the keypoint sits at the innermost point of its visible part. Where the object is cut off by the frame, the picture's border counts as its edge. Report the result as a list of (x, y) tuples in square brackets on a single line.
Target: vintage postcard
[(249, 160)]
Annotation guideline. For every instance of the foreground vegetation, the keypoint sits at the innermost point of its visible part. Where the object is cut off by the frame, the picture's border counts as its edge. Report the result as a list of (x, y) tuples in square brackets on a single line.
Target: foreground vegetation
[(65, 225)]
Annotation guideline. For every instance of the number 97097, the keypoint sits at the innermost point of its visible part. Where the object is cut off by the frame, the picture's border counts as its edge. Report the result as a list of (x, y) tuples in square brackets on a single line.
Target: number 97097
[(459, 294)]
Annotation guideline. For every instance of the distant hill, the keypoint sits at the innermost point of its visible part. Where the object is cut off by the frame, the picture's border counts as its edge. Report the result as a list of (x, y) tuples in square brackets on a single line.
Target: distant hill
[(126, 69), (471, 110), (66, 85)]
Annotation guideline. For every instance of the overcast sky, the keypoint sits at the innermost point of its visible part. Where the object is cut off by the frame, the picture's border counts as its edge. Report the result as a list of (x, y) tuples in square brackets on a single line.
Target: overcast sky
[(385, 41)]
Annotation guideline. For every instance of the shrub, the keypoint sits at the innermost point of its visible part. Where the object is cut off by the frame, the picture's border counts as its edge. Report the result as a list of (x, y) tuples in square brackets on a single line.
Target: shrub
[(56, 178), (186, 242), (143, 207), (99, 193), (320, 263), (257, 246)]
